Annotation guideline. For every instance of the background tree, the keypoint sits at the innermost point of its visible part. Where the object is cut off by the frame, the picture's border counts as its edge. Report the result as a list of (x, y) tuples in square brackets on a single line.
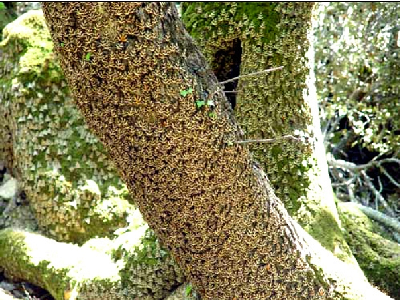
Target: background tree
[(358, 88), (180, 159)]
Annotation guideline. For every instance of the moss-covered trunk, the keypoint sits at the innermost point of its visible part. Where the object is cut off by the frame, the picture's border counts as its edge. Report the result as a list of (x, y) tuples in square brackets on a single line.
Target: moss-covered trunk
[(139, 80), (7, 14), (263, 36), (72, 188)]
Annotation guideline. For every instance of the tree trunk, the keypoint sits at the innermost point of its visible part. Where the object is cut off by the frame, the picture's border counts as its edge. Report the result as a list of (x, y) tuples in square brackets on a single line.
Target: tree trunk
[(258, 36), (139, 81)]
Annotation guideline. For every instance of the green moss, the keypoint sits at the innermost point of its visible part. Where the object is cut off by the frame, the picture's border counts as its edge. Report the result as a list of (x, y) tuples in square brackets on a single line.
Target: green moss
[(324, 228), (147, 267), (220, 16), (57, 156), (378, 257), (28, 268), (142, 269), (7, 15)]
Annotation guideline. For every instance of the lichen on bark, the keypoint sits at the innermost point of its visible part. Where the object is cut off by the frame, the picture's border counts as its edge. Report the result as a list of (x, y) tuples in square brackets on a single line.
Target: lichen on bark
[(131, 266), (72, 188)]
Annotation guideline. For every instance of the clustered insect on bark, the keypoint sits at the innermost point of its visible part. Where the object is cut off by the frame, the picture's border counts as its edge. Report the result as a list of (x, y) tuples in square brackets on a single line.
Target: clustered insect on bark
[(205, 200)]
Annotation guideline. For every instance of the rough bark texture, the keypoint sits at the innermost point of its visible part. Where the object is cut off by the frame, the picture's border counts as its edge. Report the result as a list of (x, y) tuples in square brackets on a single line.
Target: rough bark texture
[(75, 201), (267, 35), (246, 37), (138, 78), (127, 65), (70, 184)]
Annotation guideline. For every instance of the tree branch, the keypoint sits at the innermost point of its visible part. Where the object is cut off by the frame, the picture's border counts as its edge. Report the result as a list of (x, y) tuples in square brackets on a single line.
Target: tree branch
[(352, 166), (230, 92), (251, 74), (382, 218), (377, 194), (288, 137), (361, 169), (241, 76)]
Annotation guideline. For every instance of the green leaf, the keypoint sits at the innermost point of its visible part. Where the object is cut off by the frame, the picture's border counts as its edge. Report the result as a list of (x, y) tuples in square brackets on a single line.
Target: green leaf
[(2, 6), (61, 44), (188, 290), (200, 103), (210, 102), (212, 115), (185, 92), (87, 57)]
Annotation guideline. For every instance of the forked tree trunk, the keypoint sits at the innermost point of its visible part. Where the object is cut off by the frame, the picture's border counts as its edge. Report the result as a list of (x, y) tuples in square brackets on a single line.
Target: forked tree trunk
[(139, 81)]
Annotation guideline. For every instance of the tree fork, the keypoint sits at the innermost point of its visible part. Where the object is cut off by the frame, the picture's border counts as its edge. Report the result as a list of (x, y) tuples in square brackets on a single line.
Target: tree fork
[(128, 65)]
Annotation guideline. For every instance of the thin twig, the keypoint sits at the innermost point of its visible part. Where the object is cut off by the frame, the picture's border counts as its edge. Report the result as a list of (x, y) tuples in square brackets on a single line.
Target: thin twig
[(348, 182), (390, 177), (354, 167), (361, 169), (289, 137), (230, 92), (251, 74), (373, 163), (220, 84), (327, 131), (377, 194), (350, 190)]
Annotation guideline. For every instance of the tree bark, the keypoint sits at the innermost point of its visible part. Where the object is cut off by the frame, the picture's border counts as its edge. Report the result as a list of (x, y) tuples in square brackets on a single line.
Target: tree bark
[(138, 79), (266, 35)]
